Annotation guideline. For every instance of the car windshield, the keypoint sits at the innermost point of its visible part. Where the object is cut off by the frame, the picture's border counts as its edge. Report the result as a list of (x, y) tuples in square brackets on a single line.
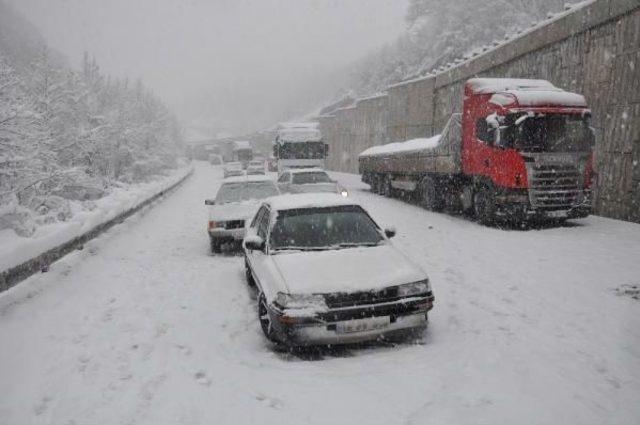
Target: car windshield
[(324, 228), (547, 133), (310, 177), (245, 191)]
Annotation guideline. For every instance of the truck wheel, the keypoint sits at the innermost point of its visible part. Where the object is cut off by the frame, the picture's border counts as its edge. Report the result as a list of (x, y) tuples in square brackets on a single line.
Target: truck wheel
[(216, 247), (387, 189), (430, 199), (484, 205)]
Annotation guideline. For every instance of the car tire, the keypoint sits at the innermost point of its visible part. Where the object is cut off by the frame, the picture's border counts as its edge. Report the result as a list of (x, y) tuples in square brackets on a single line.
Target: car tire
[(264, 319), (216, 246), (484, 205)]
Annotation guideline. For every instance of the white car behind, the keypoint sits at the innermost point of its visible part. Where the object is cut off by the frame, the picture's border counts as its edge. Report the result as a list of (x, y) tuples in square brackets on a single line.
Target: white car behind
[(236, 201), (307, 180)]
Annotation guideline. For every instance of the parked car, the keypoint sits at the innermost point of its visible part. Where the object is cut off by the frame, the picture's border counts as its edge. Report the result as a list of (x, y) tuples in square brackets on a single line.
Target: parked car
[(255, 167), (326, 273), (236, 201), (233, 169), (305, 180)]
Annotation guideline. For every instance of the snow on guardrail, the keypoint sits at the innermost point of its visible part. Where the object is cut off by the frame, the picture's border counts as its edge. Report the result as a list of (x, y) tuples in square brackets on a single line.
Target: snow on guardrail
[(20, 257)]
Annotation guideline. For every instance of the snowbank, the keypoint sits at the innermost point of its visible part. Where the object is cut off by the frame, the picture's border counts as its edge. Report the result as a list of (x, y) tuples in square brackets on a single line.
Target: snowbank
[(402, 147), (15, 250)]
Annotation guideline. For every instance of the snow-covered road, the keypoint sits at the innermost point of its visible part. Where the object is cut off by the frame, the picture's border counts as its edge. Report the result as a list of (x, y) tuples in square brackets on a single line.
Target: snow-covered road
[(144, 326)]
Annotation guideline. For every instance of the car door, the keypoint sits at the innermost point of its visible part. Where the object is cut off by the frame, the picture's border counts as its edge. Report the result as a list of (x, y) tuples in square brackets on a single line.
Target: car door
[(284, 182), (257, 259)]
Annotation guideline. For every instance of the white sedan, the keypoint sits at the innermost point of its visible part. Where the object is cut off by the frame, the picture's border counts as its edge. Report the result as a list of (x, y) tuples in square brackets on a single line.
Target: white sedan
[(326, 273), (307, 180), (236, 201)]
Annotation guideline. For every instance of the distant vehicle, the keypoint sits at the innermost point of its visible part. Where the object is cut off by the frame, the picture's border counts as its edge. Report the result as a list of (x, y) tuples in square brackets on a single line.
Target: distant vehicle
[(233, 169), (326, 273), (272, 164), (236, 201), (520, 150), (215, 159), (305, 180), (255, 167), (299, 145), (242, 152)]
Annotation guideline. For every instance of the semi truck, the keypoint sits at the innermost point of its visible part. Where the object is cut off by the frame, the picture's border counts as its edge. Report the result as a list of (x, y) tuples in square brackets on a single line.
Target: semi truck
[(242, 152), (299, 145), (520, 150)]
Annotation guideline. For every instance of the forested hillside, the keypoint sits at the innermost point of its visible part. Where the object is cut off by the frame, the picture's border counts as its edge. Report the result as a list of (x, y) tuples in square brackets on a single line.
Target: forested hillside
[(68, 134), (440, 31)]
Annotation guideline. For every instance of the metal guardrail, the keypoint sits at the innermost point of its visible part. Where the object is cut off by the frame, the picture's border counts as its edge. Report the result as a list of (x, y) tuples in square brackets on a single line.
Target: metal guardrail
[(14, 275)]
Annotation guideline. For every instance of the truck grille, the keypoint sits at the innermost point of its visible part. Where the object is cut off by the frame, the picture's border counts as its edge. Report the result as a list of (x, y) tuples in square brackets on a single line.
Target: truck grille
[(234, 224), (554, 187)]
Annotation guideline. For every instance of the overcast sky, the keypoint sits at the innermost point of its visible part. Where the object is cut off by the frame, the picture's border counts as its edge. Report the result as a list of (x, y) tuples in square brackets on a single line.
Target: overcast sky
[(236, 65)]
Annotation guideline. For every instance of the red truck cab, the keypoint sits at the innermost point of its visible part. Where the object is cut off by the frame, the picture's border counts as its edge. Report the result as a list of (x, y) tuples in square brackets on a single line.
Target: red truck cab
[(528, 147)]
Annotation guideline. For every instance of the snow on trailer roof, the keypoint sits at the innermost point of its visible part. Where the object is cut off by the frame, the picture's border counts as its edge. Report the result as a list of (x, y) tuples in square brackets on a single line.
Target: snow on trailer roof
[(307, 125), (308, 200), (412, 145)]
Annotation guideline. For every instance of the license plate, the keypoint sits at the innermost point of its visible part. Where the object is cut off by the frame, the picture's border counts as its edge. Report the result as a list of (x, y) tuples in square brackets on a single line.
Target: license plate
[(363, 325), (557, 214)]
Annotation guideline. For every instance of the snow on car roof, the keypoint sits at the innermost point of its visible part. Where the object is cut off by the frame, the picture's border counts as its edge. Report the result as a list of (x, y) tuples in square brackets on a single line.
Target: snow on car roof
[(408, 146), (305, 170), (248, 179), (308, 200)]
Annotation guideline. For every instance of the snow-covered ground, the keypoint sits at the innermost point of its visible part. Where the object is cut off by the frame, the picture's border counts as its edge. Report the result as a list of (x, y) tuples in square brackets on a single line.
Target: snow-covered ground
[(144, 326), (15, 250)]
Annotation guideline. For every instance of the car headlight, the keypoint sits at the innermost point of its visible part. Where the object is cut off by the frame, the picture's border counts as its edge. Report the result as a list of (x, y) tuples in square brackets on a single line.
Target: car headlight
[(344, 193), (300, 301), (414, 289)]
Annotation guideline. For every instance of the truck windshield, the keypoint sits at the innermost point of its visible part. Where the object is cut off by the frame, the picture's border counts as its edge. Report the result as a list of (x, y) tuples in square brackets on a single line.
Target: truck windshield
[(547, 133), (324, 228), (301, 150)]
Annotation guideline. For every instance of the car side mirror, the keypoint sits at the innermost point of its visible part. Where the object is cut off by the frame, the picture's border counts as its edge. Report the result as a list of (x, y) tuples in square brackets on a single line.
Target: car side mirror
[(390, 232), (254, 242), (209, 202)]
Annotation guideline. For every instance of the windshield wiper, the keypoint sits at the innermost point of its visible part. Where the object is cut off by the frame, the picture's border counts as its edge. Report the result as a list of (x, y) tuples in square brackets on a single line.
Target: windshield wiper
[(354, 244)]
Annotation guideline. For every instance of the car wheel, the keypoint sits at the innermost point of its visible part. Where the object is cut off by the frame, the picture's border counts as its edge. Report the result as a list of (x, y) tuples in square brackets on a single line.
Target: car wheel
[(247, 274), (484, 205), (264, 318), (216, 247)]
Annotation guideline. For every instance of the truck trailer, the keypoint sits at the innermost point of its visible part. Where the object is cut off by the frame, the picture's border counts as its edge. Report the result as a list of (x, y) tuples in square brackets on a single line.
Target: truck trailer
[(520, 150), (242, 152)]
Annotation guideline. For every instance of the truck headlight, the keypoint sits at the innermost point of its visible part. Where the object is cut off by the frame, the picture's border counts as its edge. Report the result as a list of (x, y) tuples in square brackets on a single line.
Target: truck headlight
[(301, 301), (414, 289)]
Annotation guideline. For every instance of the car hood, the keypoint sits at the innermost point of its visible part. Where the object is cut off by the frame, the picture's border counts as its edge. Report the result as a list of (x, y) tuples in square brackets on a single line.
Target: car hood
[(345, 270), (233, 211), (314, 187)]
